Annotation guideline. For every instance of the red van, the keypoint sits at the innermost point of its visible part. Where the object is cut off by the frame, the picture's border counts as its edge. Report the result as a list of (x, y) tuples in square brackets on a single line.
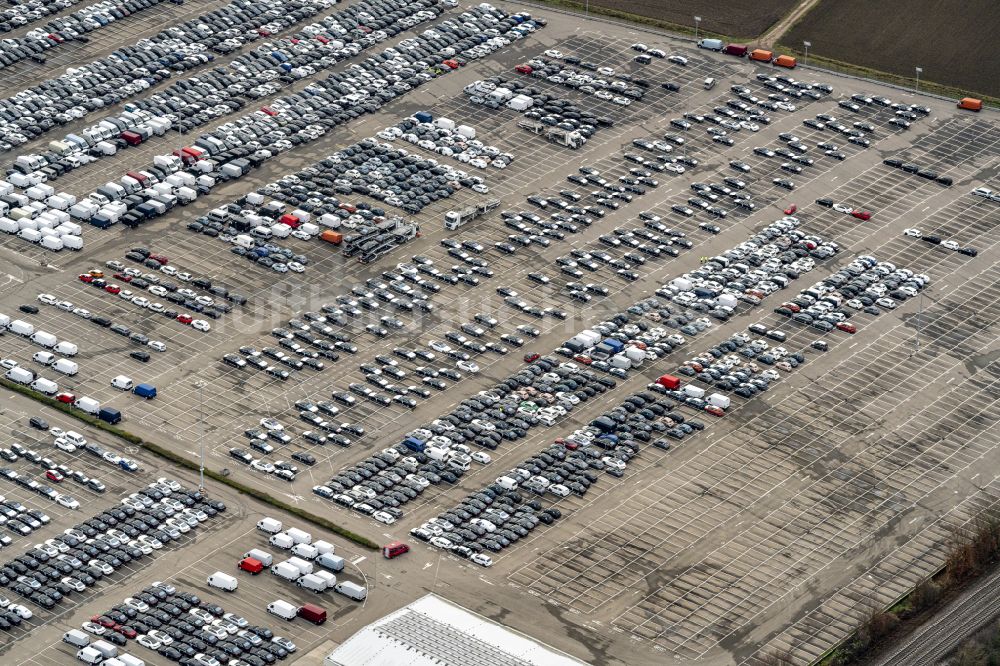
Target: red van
[(738, 50), (394, 549), (669, 381), (131, 138), (313, 613), (251, 565)]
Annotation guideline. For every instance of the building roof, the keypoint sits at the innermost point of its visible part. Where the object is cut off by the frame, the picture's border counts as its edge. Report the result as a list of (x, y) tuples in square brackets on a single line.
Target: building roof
[(432, 631)]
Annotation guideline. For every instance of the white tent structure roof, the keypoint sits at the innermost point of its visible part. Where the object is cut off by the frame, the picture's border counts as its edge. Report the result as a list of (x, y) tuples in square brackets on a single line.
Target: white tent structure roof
[(432, 631)]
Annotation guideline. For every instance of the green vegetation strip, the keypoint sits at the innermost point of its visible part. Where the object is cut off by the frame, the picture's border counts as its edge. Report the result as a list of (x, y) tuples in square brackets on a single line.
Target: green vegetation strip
[(887, 77), (636, 18), (178, 459)]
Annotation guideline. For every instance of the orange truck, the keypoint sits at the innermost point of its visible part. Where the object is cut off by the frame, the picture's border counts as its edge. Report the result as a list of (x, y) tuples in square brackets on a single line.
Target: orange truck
[(970, 104), (762, 55), (785, 61)]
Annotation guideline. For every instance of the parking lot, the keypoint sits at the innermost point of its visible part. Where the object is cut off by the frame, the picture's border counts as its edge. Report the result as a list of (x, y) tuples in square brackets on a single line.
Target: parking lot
[(714, 550)]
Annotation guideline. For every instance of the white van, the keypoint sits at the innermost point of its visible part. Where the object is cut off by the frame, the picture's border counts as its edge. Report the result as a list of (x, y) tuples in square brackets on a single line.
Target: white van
[(53, 243), (261, 556), (21, 327), (323, 547), (20, 375), (106, 649), (299, 536), (328, 578), (223, 581), (286, 570), (314, 583), (89, 655), (303, 566), (122, 382), (130, 660), (507, 483), (331, 562), (351, 590), (305, 551), (76, 638), (709, 83), (282, 609), (66, 348), (66, 367), (88, 405), (46, 386), (281, 540), (45, 339), (32, 236), (269, 525)]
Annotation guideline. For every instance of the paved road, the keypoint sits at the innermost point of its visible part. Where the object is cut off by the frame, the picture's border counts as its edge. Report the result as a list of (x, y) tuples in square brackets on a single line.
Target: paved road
[(949, 626)]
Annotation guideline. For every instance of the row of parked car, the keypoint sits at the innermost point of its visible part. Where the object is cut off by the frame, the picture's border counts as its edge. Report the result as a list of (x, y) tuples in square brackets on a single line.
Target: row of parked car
[(75, 560), (179, 626), (231, 151), (443, 137), (134, 68), (740, 364)]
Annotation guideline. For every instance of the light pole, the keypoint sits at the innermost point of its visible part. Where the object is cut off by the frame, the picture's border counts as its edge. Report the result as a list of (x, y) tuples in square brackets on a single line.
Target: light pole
[(201, 434), (919, 71), (697, 23), (807, 45)]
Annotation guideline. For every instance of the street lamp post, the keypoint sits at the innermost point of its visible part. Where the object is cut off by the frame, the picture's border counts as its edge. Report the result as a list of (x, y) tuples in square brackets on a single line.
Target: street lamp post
[(919, 71), (807, 45), (697, 24)]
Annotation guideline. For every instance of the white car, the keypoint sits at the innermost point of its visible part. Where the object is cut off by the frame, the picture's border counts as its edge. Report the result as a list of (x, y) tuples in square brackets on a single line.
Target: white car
[(843, 208), (271, 424), (23, 611), (296, 267), (913, 233), (678, 60), (47, 299), (141, 301), (65, 305), (64, 444), (482, 559), (559, 490), (93, 628), (383, 517), (262, 466), (68, 502), (201, 325), (156, 345), (81, 312), (552, 53), (104, 567), (184, 277), (482, 457), (950, 244), (74, 584), (886, 303), (472, 368), (157, 290), (150, 541), (441, 542), (147, 641)]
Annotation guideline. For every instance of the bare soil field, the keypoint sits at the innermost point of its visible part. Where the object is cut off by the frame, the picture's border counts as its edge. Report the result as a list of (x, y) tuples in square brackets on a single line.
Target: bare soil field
[(739, 18), (949, 41)]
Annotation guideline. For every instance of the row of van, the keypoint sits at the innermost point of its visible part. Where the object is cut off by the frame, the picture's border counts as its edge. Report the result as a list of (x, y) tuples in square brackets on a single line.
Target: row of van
[(99, 651), (39, 337)]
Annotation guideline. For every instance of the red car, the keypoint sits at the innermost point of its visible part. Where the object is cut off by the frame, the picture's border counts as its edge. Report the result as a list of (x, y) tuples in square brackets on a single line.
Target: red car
[(791, 209), (68, 398), (123, 277), (580, 358), (104, 621), (127, 632), (185, 318), (523, 69), (85, 277), (113, 289), (528, 358), (715, 411), (794, 307), (861, 214), (847, 328), (54, 475), (450, 64), (571, 445), (163, 261)]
